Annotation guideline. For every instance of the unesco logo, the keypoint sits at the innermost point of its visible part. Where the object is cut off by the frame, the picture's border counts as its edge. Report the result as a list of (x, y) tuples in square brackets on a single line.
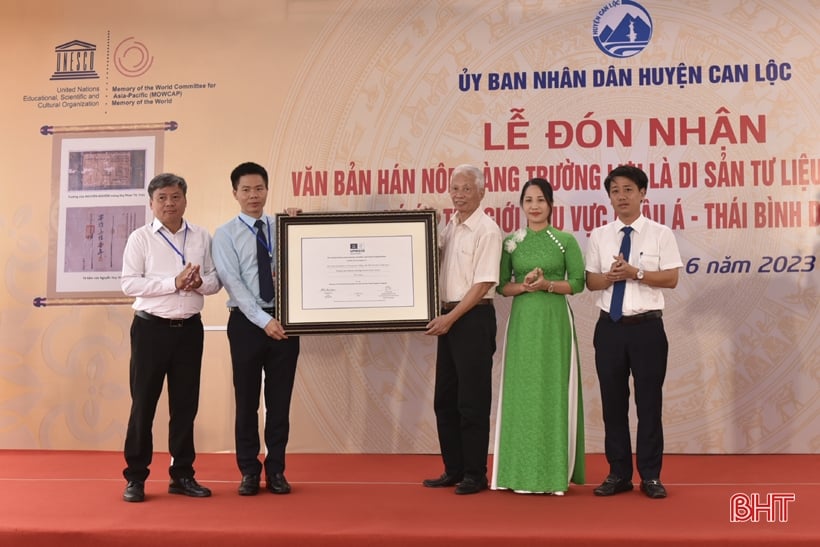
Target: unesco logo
[(75, 61), (622, 28)]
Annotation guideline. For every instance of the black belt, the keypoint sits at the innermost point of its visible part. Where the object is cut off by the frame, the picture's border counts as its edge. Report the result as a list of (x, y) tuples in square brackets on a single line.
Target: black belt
[(269, 311), (195, 318), (447, 306), (633, 319)]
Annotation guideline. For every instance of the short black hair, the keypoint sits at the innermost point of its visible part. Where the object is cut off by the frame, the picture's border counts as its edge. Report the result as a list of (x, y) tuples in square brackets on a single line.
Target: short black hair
[(164, 180), (630, 172), (248, 168)]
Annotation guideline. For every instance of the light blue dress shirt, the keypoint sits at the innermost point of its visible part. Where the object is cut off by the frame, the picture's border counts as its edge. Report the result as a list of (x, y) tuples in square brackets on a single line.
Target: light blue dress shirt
[(234, 255)]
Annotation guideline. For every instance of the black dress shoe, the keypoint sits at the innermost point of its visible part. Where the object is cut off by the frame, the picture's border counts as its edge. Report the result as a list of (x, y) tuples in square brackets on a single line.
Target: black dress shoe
[(134, 491), (613, 485), (187, 486), (278, 484), (442, 481), (653, 489), (249, 485), (471, 485)]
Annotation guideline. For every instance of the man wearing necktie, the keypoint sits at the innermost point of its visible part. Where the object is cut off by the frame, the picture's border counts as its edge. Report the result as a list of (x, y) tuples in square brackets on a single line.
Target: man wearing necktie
[(167, 268), (630, 261), (243, 252)]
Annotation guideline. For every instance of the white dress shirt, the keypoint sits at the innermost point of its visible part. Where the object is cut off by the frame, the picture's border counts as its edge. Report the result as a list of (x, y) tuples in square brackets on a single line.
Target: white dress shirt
[(471, 253), (654, 249), (151, 263)]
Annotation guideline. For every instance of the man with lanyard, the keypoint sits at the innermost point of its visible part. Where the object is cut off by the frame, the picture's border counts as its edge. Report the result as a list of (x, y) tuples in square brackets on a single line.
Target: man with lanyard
[(243, 252), (630, 261), (470, 263), (167, 266)]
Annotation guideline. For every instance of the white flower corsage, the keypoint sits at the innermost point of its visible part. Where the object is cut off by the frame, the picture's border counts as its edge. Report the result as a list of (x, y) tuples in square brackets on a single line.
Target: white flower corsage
[(513, 241)]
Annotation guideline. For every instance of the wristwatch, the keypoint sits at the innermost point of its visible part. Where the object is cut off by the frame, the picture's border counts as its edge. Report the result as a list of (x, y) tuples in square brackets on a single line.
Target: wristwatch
[(639, 275)]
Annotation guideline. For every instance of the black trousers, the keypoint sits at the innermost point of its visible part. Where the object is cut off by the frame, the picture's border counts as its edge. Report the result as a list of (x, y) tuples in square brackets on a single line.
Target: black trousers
[(463, 392), (640, 349), (254, 354), (159, 351)]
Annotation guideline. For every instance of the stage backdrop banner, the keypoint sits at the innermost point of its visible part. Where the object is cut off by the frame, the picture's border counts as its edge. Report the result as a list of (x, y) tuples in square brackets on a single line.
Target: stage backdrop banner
[(368, 105)]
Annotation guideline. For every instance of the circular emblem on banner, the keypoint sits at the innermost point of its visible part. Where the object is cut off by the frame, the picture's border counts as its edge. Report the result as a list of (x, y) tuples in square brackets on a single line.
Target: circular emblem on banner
[(132, 58), (622, 28)]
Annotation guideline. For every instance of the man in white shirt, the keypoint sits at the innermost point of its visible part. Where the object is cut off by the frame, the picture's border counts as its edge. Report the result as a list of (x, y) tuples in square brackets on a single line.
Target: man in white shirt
[(470, 260), (629, 261), (167, 266)]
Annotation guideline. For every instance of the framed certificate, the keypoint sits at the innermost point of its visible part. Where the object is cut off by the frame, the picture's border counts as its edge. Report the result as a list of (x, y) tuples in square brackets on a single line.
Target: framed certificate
[(356, 272)]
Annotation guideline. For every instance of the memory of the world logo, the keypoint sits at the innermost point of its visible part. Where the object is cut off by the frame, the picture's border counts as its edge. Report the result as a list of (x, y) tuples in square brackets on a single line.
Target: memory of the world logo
[(76, 59), (622, 28), (132, 58)]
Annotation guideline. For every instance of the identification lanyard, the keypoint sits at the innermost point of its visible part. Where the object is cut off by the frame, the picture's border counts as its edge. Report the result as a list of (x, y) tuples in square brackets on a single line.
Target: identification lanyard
[(174, 247), (268, 245)]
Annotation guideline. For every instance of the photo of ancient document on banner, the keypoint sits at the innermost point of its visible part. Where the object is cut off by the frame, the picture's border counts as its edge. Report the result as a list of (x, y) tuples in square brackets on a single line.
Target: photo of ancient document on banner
[(106, 170), (103, 197), (95, 237)]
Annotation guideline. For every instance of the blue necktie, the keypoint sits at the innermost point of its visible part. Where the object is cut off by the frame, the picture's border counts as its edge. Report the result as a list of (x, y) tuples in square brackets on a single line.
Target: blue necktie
[(263, 262), (616, 307)]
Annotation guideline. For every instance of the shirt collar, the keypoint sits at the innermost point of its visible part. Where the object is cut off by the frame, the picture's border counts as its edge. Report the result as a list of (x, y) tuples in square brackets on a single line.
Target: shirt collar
[(637, 224), (250, 221), (472, 221), (156, 224)]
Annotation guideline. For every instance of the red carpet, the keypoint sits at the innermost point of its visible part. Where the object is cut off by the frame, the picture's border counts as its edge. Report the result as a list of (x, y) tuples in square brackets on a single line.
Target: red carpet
[(74, 498)]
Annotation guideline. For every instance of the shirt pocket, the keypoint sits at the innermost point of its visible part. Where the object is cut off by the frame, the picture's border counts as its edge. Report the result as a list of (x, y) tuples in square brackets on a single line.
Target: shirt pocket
[(195, 253), (649, 262)]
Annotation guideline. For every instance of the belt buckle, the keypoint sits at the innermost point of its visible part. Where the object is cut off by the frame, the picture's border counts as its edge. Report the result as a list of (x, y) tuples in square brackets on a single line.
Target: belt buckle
[(176, 322)]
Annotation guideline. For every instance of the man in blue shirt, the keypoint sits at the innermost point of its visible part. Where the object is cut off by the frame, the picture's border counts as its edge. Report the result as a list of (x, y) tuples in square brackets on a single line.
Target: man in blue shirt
[(258, 343)]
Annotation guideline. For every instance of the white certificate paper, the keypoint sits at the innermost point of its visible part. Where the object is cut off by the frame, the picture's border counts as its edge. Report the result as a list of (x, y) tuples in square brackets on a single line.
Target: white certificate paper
[(357, 272)]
